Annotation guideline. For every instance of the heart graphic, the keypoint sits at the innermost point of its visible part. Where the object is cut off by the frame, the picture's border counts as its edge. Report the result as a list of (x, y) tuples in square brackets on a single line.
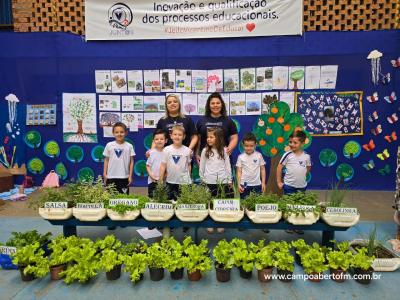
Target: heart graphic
[(250, 26)]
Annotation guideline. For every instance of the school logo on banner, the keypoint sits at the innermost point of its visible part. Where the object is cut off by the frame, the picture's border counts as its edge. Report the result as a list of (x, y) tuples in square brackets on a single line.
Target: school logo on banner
[(120, 16)]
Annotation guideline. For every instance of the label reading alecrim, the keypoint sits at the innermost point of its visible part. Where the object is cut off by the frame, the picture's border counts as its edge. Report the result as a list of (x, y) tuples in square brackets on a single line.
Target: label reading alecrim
[(191, 206), (7, 250), (55, 205), (158, 206), (128, 202), (307, 208), (266, 207), (89, 205), (342, 210), (227, 204)]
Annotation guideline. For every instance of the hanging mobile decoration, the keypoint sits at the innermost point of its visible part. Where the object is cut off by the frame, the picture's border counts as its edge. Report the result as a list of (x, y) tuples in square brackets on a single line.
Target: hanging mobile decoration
[(375, 57)]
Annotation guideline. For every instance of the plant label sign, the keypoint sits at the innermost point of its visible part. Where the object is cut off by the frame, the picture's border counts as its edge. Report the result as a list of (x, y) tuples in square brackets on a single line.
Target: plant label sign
[(191, 206), (89, 205), (266, 207), (342, 210), (55, 205), (127, 202), (227, 204), (158, 206), (7, 250), (305, 208)]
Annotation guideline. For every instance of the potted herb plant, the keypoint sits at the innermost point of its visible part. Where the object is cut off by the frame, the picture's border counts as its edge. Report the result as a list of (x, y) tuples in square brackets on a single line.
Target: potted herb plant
[(224, 260), (301, 208), (109, 257), (263, 208), (159, 208), (362, 266), (192, 204), (53, 204), (197, 258), (136, 265), (284, 261), (156, 260), (125, 207), (59, 257), (175, 261), (339, 261), (264, 263), (134, 247), (313, 262), (223, 209), (300, 247), (244, 258)]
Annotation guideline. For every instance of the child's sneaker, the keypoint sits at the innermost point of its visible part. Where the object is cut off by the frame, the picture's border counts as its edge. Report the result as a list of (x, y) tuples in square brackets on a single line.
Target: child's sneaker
[(220, 230), (210, 230)]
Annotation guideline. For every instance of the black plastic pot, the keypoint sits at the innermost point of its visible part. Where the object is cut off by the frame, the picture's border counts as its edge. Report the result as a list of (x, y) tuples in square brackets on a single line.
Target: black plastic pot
[(223, 275), (338, 275), (115, 273), (366, 275), (286, 275), (27, 277), (297, 258), (244, 274), (177, 274), (156, 274)]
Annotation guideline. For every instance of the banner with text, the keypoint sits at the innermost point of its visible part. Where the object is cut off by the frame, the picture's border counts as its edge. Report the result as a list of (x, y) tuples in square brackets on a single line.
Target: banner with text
[(166, 19)]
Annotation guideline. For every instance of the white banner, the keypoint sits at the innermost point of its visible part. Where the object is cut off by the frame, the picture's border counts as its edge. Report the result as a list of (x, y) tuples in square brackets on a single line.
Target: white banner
[(166, 19)]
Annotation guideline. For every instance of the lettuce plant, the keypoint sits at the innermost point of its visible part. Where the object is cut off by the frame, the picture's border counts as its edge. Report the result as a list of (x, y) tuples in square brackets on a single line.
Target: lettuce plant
[(243, 255), (136, 265), (341, 258), (313, 260), (156, 256), (31, 257), (174, 250), (197, 257), (223, 255), (362, 260)]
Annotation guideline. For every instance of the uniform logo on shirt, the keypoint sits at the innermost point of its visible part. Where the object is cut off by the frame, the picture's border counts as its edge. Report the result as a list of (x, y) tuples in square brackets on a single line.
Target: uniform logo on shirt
[(255, 160), (118, 152), (176, 158), (214, 124), (302, 163)]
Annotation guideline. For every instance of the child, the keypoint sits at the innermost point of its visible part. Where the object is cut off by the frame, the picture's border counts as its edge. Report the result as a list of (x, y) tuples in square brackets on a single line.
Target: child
[(250, 168), (118, 161), (215, 167), (153, 163), (175, 164), (297, 164)]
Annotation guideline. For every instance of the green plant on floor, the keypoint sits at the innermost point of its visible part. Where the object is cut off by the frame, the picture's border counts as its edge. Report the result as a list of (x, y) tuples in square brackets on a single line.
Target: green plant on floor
[(123, 208), (362, 260), (174, 259), (58, 247), (90, 192), (254, 198), (21, 239), (51, 195), (300, 246), (194, 194), (160, 194), (243, 255), (283, 260), (340, 258), (134, 246), (108, 251), (31, 258), (156, 256), (313, 260), (136, 265), (197, 257), (264, 259), (223, 255)]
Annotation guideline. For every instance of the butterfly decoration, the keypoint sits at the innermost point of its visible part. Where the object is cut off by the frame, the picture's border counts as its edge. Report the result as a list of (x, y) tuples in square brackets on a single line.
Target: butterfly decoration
[(385, 79), (391, 98), (373, 117), (377, 130), (391, 138), (373, 98), (395, 62), (384, 155), (370, 146), (385, 170), (393, 118), (370, 165)]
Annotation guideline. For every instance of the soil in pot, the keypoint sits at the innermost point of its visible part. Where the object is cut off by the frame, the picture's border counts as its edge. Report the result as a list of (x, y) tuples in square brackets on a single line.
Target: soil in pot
[(314, 277), (223, 275), (56, 270), (177, 274), (338, 275), (380, 252), (156, 274), (27, 277), (115, 273), (286, 276), (366, 276), (265, 275), (244, 274), (194, 276)]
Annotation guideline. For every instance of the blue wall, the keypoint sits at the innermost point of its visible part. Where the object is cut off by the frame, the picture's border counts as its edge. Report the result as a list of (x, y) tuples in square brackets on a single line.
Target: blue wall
[(39, 67)]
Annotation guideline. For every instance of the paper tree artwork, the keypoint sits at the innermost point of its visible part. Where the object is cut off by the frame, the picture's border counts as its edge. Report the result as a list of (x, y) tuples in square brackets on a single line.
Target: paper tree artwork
[(344, 172), (52, 149), (33, 139), (97, 153), (140, 168), (351, 149), (296, 76), (327, 157), (85, 174), (75, 154), (36, 166), (61, 171)]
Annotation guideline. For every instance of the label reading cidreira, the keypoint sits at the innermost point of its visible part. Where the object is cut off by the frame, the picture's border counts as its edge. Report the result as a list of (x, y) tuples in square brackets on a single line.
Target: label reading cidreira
[(342, 210)]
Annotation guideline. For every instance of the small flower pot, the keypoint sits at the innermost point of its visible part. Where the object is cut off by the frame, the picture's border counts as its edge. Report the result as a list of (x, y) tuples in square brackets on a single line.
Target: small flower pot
[(366, 275), (314, 277), (56, 270), (194, 276), (115, 273), (223, 275), (244, 274), (177, 274), (285, 276), (27, 277), (338, 275), (156, 274), (265, 275)]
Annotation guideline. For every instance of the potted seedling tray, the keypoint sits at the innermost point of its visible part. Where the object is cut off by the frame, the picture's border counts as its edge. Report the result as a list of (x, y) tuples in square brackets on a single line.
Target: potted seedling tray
[(90, 212), (340, 216), (385, 261), (191, 212), (301, 214), (226, 210), (157, 211), (264, 214), (55, 211), (123, 209)]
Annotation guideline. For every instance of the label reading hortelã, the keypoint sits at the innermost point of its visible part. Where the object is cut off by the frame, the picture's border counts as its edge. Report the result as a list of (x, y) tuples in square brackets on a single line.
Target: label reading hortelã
[(307, 208), (342, 210), (158, 206), (266, 207), (227, 204), (89, 205), (7, 250), (191, 206), (55, 205), (127, 202)]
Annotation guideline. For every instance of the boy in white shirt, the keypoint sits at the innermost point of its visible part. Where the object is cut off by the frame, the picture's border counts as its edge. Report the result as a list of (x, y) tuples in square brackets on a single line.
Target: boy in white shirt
[(153, 163)]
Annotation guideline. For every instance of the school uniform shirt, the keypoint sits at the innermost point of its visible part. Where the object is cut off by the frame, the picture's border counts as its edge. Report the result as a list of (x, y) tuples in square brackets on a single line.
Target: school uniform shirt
[(250, 165), (296, 169), (177, 162), (166, 124), (154, 162), (215, 170), (119, 156), (227, 125)]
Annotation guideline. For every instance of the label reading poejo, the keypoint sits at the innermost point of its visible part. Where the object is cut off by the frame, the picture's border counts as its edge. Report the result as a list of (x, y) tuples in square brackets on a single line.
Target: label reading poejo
[(89, 205), (55, 205), (127, 202), (158, 206), (226, 204), (7, 250), (342, 210), (266, 207)]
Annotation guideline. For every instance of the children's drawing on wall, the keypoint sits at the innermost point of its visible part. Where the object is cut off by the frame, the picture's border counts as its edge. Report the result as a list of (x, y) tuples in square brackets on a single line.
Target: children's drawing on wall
[(12, 126), (103, 81), (296, 75), (215, 81), (41, 114)]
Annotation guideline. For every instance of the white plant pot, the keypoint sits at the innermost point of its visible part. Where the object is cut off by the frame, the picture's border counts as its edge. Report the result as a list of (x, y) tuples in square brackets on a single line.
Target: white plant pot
[(55, 213), (127, 216), (379, 264), (264, 217), (191, 215), (226, 216), (340, 220), (309, 218), (89, 214), (157, 214)]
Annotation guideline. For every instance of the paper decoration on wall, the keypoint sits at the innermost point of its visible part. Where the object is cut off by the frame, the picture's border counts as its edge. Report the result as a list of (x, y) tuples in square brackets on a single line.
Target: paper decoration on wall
[(384, 155), (392, 137), (75, 154), (312, 77), (331, 114), (296, 76), (377, 130), (370, 146), (61, 171), (373, 98), (52, 149), (280, 78), (128, 140), (201, 103), (253, 104), (85, 174), (391, 98), (33, 139), (199, 81), (134, 121), (267, 99), (344, 172), (35, 166), (132, 103), (79, 118), (109, 118), (375, 58), (140, 168), (351, 149), (264, 78), (183, 81), (215, 81), (41, 114), (287, 97), (110, 102), (135, 81), (12, 101), (247, 79), (97, 153), (119, 83), (373, 117), (153, 103), (328, 77), (103, 81), (231, 80), (237, 123), (150, 120), (327, 157), (370, 165), (393, 118), (395, 63), (152, 81), (167, 80), (148, 140), (189, 104), (237, 104), (385, 170)]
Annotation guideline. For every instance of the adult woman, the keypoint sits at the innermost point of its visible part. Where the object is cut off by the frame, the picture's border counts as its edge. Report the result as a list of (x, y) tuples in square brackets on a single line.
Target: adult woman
[(216, 116)]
